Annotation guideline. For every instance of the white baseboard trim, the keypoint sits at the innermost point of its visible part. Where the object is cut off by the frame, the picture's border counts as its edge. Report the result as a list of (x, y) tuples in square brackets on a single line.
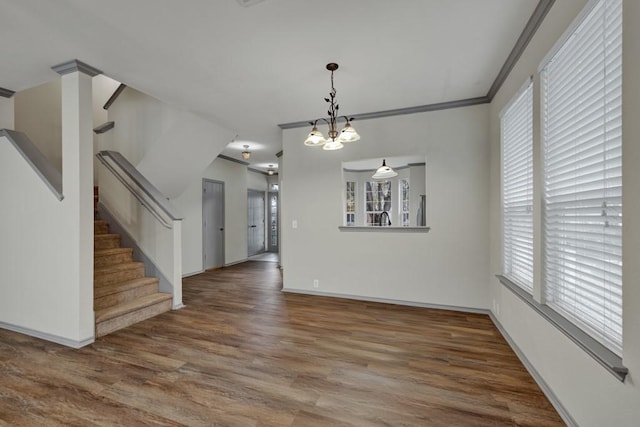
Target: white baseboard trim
[(562, 411), (236, 262), (178, 306), (47, 337), (387, 301)]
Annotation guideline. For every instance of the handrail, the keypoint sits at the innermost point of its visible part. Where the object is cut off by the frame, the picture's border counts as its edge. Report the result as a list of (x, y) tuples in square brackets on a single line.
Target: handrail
[(104, 127), (38, 162), (142, 183), (114, 96)]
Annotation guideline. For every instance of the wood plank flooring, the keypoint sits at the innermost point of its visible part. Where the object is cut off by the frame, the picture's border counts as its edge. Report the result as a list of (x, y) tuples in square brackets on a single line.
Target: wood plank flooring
[(242, 353)]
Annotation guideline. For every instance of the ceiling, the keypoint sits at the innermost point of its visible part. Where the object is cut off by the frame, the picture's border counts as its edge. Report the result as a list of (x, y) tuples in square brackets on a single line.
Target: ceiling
[(251, 65)]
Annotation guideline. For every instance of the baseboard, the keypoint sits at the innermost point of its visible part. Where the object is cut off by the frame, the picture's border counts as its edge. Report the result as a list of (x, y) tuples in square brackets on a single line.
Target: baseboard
[(178, 306), (562, 411), (388, 301), (194, 273), (47, 337)]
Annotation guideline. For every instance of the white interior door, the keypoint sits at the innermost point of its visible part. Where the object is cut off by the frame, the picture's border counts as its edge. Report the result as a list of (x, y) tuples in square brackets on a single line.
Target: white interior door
[(212, 223)]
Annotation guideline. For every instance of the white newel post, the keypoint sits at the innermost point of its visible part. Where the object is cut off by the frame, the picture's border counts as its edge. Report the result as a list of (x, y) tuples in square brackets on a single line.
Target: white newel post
[(7, 112), (177, 265), (77, 185)]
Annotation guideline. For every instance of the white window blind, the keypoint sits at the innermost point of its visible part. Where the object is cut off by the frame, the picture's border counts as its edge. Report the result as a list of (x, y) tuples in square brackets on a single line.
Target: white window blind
[(582, 89), (517, 188)]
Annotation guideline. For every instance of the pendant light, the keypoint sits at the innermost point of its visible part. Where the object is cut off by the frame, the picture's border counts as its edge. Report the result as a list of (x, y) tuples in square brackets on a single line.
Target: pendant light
[(246, 153), (384, 171)]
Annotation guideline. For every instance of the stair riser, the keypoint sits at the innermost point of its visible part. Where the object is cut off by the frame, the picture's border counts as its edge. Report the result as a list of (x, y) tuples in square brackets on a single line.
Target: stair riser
[(125, 296), (119, 276), (107, 260), (111, 325), (100, 228), (110, 242)]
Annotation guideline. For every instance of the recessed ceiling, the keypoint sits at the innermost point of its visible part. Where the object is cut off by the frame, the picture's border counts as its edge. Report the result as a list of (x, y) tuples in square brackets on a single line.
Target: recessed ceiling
[(251, 68)]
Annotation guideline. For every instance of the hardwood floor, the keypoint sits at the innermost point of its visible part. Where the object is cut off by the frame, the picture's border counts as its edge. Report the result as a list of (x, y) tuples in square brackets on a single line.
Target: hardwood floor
[(242, 353)]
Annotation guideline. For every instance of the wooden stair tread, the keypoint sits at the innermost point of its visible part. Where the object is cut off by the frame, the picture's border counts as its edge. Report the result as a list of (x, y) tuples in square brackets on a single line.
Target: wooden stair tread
[(106, 236), (100, 222), (117, 268), (139, 303), (105, 290), (111, 251)]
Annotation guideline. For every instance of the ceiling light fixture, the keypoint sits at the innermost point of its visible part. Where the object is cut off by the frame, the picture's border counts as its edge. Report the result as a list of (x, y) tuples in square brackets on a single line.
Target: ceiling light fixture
[(336, 139), (384, 171), (270, 171), (246, 153)]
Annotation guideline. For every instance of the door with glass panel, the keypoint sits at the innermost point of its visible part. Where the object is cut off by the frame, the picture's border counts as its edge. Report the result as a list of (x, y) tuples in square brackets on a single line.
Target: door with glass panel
[(273, 222), (255, 222)]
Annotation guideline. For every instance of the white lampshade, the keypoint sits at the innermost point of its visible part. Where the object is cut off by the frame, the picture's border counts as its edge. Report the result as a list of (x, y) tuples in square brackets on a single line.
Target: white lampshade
[(333, 144), (384, 172), (315, 138), (348, 134)]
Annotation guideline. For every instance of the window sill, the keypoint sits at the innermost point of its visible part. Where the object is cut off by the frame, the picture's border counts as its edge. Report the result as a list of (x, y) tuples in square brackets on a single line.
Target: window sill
[(611, 361), (386, 229)]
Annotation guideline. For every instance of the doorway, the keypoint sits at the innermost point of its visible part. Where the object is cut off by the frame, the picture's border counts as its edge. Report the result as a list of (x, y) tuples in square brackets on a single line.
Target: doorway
[(255, 222), (212, 224)]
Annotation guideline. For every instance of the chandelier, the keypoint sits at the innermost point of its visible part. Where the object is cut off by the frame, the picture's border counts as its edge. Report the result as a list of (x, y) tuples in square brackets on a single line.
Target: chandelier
[(336, 139)]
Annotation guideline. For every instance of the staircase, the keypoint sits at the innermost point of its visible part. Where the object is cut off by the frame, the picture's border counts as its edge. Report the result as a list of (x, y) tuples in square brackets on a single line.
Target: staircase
[(122, 294)]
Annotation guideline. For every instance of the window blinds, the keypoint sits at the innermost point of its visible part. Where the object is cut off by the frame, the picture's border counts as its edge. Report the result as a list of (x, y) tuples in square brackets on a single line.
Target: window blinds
[(517, 188), (582, 89)]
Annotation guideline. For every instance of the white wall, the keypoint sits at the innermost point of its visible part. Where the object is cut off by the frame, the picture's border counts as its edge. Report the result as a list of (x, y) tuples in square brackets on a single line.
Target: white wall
[(235, 178), (160, 244), (589, 393), (102, 88), (169, 146), (46, 266), (257, 181), (7, 113), (39, 115), (447, 266)]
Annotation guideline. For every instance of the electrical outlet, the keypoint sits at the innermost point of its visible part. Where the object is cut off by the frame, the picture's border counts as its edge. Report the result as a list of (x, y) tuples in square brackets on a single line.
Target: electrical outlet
[(316, 283), (294, 224)]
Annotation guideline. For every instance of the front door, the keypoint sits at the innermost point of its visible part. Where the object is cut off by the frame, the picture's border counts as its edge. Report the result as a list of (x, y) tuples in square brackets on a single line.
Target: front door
[(212, 223), (255, 222)]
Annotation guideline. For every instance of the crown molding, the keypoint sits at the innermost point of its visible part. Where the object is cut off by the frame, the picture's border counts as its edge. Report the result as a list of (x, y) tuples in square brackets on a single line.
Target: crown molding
[(231, 159), (6, 93), (527, 34), (75, 65)]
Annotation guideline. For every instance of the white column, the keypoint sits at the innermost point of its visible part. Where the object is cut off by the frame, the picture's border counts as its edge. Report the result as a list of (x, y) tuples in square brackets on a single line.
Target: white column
[(77, 185), (7, 112)]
